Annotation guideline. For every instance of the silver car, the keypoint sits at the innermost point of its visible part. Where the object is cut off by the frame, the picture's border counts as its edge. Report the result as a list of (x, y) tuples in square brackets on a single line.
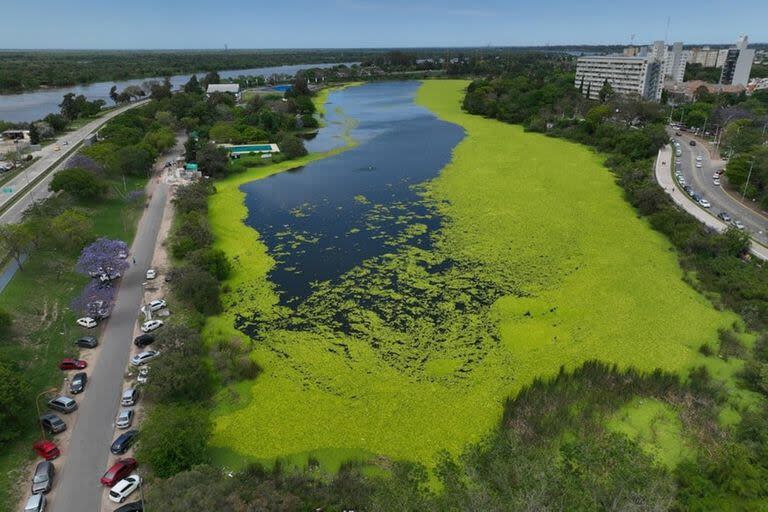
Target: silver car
[(43, 478), (124, 419), (130, 397)]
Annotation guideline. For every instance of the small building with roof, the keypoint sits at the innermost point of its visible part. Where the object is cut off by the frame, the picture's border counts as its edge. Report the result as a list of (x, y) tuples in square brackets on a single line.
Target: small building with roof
[(233, 89)]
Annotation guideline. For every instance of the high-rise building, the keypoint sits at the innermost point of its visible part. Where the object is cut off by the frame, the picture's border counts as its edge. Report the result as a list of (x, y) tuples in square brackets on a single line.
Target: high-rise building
[(738, 63), (640, 75), (676, 62)]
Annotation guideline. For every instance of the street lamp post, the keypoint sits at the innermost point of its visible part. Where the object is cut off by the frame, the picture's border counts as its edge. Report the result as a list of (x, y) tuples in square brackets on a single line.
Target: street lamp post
[(749, 175), (37, 406)]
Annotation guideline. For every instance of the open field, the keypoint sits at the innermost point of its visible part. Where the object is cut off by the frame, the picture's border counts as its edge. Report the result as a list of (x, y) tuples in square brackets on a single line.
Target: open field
[(540, 263)]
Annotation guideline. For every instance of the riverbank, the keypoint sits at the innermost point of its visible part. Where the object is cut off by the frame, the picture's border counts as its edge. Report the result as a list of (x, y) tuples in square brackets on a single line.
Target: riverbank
[(540, 263)]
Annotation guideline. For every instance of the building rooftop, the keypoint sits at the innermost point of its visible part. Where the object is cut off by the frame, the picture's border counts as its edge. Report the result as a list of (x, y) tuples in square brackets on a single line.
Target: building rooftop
[(233, 88)]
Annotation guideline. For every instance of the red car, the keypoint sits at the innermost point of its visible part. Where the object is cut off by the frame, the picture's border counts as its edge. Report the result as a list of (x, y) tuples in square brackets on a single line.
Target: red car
[(69, 363), (46, 449), (119, 470)]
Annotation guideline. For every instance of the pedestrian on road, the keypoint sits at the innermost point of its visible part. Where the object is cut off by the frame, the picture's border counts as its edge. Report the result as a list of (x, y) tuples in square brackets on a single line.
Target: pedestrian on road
[(134, 260)]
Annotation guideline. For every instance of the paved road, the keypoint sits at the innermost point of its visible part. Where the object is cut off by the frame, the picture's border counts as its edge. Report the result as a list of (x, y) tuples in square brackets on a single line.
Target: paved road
[(49, 156), (664, 177), (78, 489), (701, 180)]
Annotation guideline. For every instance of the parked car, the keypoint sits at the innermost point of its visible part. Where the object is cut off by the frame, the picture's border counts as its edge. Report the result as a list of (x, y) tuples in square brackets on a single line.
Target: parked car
[(87, 342), (699, 158), (130, 397), (119, 470), (123, 255), (134, 506), (688, 190), (46, 449), (87, 322), (703, 202), (42, 481), (698, 165), (143, 375), (123, 442), (124, 488), (692, 143), (35, 503), (144, 357), (151, 325), (63, 404), (716, 182), (52, 423), (69, 363), (124, 419), (738, 224), (151, 273), (78, 382), (143, 340), (723, 216), (696, 197), (157, 305)]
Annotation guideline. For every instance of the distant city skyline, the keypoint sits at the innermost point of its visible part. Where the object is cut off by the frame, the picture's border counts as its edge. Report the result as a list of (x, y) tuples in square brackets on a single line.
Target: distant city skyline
[(194, 24)]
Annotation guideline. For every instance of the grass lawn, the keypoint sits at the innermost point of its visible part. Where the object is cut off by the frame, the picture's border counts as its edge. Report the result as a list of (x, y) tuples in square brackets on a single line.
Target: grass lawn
[(539, 225), (44, 327)]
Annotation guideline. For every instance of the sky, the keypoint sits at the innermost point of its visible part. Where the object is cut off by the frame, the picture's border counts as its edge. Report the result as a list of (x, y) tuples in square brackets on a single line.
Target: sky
[(190, 24)]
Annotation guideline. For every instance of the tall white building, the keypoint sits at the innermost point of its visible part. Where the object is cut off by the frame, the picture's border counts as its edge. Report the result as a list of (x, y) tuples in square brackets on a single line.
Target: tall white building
[(640, 75), (676, 61), (738, 63)]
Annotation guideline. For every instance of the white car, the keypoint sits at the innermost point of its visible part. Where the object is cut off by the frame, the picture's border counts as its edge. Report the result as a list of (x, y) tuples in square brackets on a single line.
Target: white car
[(87, 322), (151, 273), (699, 158), (124, 488), (143, 376), (716, 182), (698, 165), (703, 202), (124, 419), (157, 305), (151, 325), (738, 224), (144, 357)]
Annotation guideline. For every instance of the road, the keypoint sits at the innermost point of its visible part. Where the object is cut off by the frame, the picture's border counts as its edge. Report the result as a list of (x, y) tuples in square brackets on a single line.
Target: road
[(722, 200), (48, 157), (664, 177), (78, 488)]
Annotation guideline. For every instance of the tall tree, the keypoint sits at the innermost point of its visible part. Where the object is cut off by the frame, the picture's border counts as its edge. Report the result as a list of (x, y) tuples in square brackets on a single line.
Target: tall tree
[(193, 86), (34, 134), (16, 240), (606, 92), (113, 94)]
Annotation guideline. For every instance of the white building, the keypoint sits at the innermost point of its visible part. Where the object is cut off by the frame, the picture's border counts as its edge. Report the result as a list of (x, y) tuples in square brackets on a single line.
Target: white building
[(224, 88), (738, 64), (640, 75), (676, 61)]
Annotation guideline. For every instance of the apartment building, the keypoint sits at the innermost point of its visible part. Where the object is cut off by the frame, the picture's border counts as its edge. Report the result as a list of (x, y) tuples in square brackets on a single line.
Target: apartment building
[(639, 75)]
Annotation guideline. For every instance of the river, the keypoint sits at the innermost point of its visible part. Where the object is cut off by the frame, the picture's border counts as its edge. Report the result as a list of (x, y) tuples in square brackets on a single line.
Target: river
[(321, 220), (34, 105)]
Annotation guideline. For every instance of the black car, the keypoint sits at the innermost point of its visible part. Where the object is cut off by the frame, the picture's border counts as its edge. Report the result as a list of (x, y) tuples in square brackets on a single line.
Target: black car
[(52, 423), (135, 506), (688, 189), (144, 340), (124, 442), (78, 382), (87, 342), (696, 197), (692, 143)]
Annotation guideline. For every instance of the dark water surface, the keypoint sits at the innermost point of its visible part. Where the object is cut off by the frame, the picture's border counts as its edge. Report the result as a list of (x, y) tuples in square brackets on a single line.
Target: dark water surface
[(321, 220)]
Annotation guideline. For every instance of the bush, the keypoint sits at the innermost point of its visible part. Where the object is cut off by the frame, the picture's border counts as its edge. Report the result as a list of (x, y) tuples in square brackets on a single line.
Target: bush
[(6, 321), (198, 288), (214, 261), (174, 438), (179, 376), (78, 182), (14, 401), (193, 233), (291, 146)]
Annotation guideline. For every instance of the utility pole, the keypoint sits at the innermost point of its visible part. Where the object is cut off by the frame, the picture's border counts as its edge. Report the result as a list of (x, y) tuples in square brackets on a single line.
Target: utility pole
[(749, 175)]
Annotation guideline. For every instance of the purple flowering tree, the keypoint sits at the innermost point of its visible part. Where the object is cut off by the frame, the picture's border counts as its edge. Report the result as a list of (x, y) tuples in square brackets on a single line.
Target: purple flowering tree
[(103, 256), (96, 300), (83, 162)]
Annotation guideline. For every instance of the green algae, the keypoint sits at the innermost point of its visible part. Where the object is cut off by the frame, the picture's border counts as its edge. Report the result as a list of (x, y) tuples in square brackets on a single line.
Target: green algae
[(539, 263)]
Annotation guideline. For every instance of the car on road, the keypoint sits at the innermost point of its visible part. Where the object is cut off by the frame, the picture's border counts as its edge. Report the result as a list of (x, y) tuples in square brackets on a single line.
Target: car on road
[(46, 449), (692, 143), (143, 340), (151, 273), (35, 503), (157, 305), (688, 190), (123, 442), (63, 404), (134, 506), (703, 202), (69, 363), (119, 470), (724, 216), (130, 397), (151, 325), (57, 148), (698, 165), (716, 182), (143, 375), (87, 342), (87, 322), (738, 224), (699, 158), (682, 181), (78, 382), (42, 480), (124, 419), (124, 488), (144, 357), (52, 423)]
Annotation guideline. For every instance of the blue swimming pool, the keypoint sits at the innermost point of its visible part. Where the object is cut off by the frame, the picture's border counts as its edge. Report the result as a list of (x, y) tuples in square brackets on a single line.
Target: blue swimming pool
[(282, 88), (252, 148)]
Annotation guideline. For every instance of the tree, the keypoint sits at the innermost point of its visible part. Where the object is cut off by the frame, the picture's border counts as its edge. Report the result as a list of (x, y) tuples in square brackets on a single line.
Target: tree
[(94, 300), (193, 86), (14, 401), (34, 134), (198, 288), (212, 160), (174, 439), (211, 78), (72, 229), (606, 92), (132, 161), (84, 162), (215, 261), (78, 182), (179, 376), (16, 240), (6, 321), (103, 255), (113, 94), (291, 146), (161, 140)]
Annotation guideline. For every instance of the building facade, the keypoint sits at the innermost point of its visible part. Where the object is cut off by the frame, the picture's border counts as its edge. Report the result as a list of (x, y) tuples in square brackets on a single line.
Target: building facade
[(636, 75), (738, 64), (676, 61)]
